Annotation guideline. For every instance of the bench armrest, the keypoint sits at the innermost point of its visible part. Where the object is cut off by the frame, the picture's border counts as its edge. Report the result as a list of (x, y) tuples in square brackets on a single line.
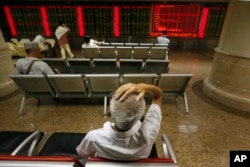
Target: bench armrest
[(167, 148), (34, 138)]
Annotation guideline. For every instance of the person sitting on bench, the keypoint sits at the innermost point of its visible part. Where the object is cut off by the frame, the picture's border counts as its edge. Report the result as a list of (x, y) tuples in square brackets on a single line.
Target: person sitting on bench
[(127, 138), (32, 64)]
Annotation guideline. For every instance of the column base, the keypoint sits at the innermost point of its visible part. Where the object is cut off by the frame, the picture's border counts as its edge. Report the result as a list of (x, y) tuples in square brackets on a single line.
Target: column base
[(225, 98), (229, 81)]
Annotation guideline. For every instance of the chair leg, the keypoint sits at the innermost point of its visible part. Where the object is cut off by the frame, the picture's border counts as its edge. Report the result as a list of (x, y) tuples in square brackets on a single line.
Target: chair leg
[(38, 101), (22, 106), (105, 106), (185, 100)]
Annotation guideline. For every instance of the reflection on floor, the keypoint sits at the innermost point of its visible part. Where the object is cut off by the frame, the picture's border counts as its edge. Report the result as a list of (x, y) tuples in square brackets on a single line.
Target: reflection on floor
[(202, 138)]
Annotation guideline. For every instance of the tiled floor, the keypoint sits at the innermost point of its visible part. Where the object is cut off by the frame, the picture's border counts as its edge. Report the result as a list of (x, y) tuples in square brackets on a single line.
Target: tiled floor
[(202, 138)]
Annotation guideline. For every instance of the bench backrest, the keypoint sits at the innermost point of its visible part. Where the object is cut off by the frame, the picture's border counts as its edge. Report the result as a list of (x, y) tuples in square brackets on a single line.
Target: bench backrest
[(57, 63), (105, 66), (174, 83), (124, 52), (158, 52), (90, 52), (80, 65), (141, 52), (102, 84), (139, 78), (33, 85), (156, 66), (130, 66), (68, 85), (107, 51)]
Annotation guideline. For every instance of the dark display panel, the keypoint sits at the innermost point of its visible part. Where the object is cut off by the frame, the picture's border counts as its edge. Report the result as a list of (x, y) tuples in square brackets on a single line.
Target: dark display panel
[(62, 13), (98, 20), (181, 20), (215, 20), (134, 20)]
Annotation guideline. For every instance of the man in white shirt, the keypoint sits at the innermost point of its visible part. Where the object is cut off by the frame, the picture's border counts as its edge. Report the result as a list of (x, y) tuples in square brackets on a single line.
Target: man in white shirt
[(127, 138), (88, 42), (163, 39)]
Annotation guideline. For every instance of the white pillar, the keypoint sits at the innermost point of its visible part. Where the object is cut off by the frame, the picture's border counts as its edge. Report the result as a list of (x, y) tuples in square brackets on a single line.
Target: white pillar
[(7, 86), (229, 79)]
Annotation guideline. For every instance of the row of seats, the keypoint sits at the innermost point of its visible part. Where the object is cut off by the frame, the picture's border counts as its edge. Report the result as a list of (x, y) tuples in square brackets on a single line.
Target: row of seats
[(33, 149), (126, 52), (86, 66), (133, 44), (95, 85)]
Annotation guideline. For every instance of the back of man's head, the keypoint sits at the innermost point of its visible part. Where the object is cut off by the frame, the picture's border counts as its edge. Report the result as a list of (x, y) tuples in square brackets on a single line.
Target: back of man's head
[(126, 113), (30, 46), (86, 39), (164, 32), (61, 22)]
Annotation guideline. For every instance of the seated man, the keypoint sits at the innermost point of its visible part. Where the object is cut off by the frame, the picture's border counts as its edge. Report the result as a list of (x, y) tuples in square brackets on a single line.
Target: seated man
[(163, 39), (127, 138), (90, 42), (32, 64)]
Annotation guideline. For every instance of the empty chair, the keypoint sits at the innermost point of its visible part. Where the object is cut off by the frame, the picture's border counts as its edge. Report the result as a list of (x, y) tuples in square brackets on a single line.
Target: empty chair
[(57, 63), (124, 52), (19, 143), (175, 85), (131, 44), (158, 52), (90, 52), (32, 86), (63, 144), (68, 85), (60, 143), (105, 65), (101, 85), (139, 78), (156, 66), (80, 65), (130, 66), (146, 44), (107, 52), (117, 44), (141, 52)]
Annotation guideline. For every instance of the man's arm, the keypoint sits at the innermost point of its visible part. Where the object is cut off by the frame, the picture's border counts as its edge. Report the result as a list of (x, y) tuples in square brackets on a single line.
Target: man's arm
[(125, 90)]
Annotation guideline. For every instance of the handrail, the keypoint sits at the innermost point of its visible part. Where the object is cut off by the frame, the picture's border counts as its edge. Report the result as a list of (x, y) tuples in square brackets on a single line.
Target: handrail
[(35, 136), (167, 148)]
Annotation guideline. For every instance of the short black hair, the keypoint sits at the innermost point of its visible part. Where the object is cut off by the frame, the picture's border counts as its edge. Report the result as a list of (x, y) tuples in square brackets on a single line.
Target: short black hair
[(61, 22), (86, 38), (164, 32)]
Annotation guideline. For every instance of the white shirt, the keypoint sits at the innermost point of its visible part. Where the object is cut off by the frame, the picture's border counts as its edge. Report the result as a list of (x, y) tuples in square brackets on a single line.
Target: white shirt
[(39, 39), (90, 44), (133, 144), (163, 40)]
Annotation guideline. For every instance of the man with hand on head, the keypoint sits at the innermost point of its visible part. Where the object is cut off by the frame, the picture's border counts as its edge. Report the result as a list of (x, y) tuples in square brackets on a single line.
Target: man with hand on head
[(126, 138)]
